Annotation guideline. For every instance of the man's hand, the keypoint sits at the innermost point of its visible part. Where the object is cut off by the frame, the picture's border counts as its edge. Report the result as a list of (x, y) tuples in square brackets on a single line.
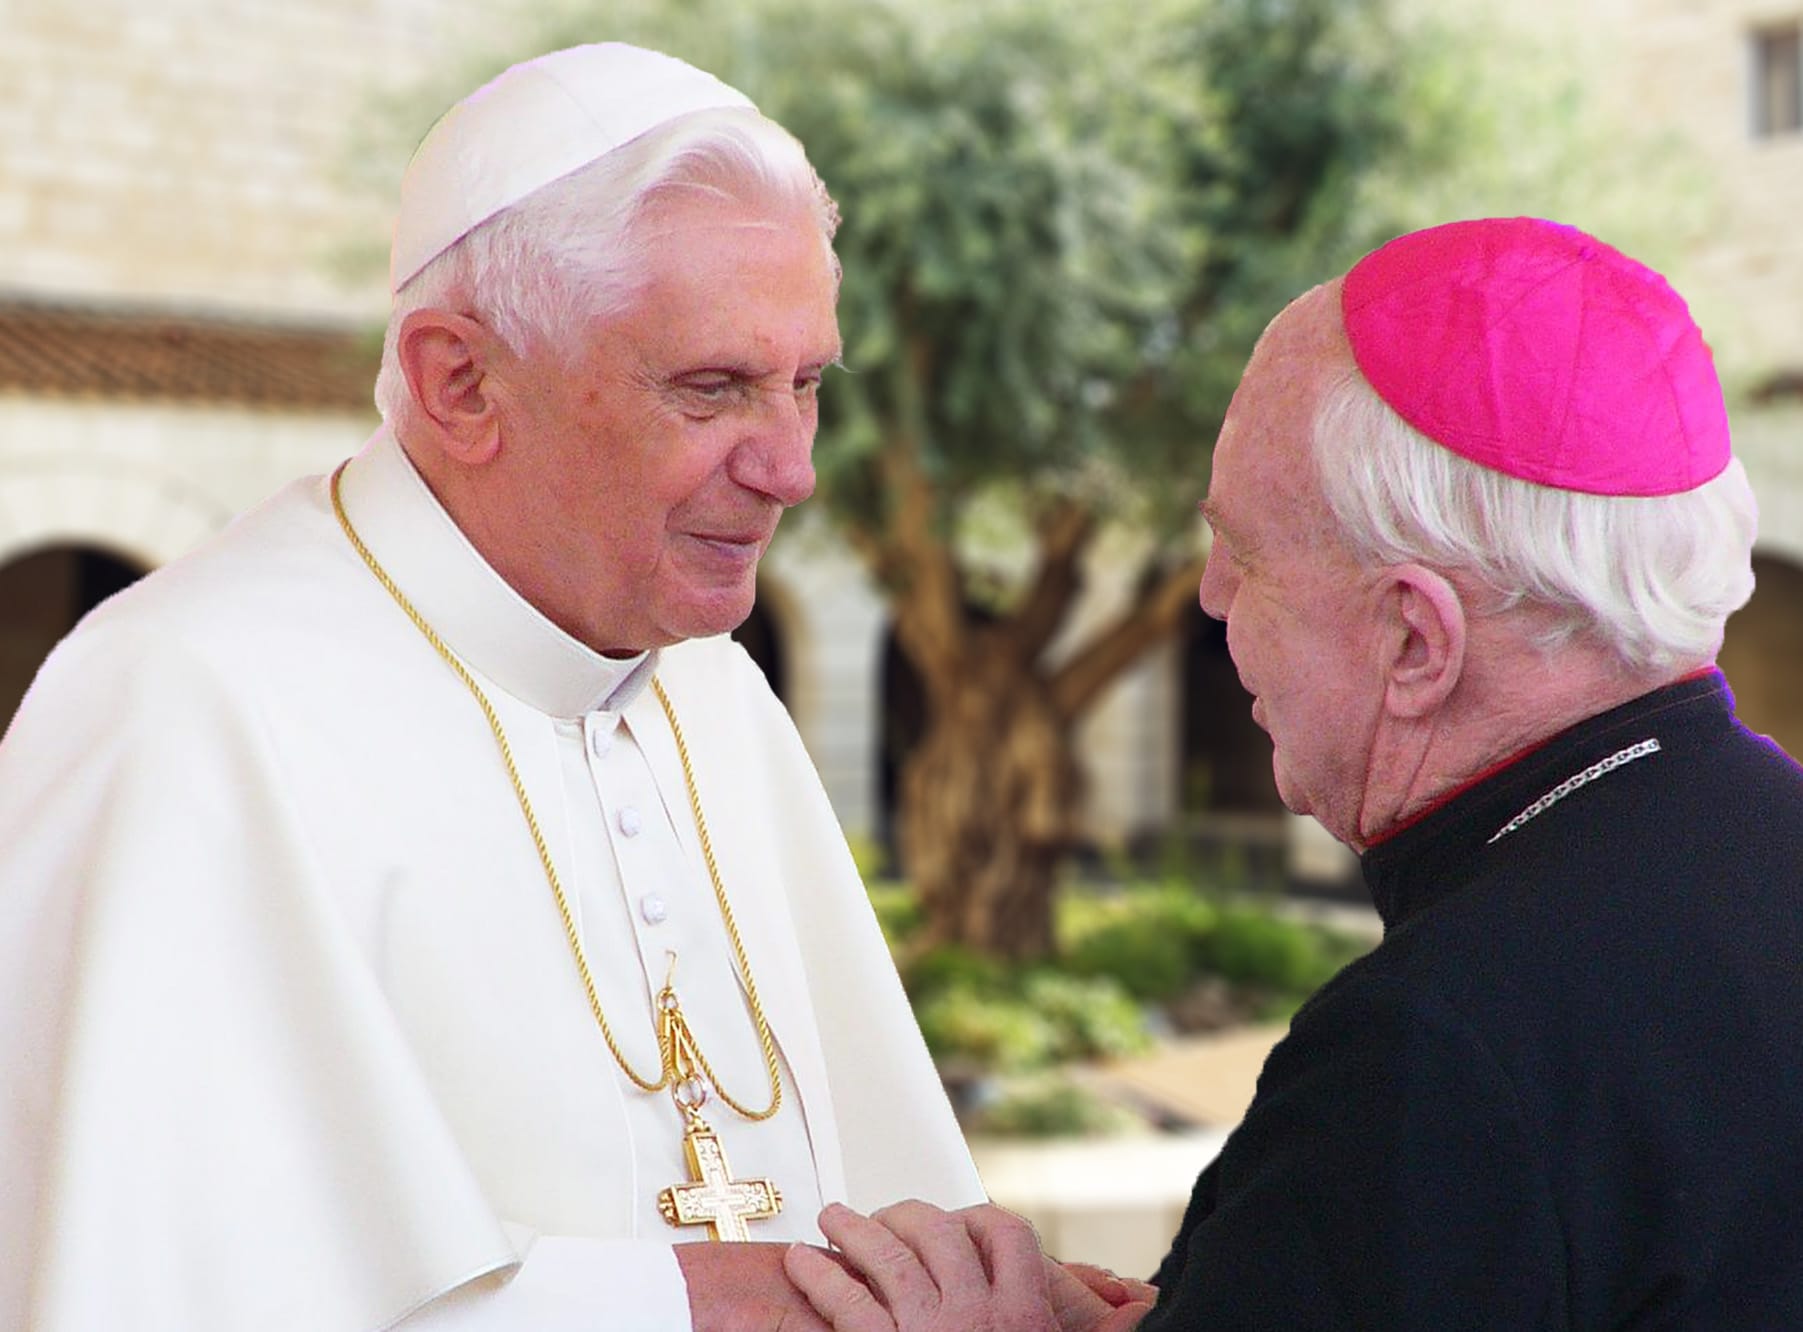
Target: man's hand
[(1092, 1299), (743, 1288), (926, 1270), (915, 1268)]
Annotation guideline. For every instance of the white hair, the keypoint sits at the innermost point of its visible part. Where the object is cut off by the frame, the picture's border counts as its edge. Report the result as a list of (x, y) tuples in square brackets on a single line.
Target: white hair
[(540, 271), (1653, 578)]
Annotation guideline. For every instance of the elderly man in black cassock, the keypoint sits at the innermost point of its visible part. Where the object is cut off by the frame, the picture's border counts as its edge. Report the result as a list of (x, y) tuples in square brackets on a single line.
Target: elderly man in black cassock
[(1477, 529)]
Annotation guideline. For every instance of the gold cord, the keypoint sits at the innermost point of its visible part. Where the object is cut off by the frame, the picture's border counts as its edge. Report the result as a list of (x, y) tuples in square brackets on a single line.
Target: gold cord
[(668, 1045)]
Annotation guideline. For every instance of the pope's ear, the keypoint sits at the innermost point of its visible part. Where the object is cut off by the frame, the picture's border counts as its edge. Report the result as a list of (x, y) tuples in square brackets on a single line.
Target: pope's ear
[(1426, 640), (445, 359)]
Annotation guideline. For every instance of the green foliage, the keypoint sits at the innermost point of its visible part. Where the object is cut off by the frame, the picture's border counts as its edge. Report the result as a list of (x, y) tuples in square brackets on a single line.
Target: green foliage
[(1151, 962), (1146, 941), (1094, 1017), (951, 967), (1122, 951), (897, 911), (990, 1029), (1156, 941), (1052, 1106), (868, 854), (981, 1011), (1254, 947), (1125, 951)]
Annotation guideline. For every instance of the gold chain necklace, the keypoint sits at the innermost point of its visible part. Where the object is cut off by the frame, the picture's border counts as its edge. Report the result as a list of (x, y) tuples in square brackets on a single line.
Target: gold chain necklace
[(679, 1053)]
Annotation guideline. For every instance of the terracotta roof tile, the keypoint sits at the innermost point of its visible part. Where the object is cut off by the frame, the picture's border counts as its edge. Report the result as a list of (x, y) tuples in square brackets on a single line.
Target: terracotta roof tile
[(89, 352)]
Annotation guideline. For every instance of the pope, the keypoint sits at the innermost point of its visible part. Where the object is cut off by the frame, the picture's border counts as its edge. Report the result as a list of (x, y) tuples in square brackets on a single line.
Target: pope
[(417, 912), (1477, 527)]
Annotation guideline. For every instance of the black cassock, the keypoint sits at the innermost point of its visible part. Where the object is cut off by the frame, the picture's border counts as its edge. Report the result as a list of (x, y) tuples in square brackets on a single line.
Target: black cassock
[(1566, 1090)]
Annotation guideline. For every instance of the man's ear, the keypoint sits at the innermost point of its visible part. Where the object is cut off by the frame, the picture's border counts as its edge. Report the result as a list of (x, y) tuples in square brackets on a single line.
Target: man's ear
[(1426, 638), (445, 358)]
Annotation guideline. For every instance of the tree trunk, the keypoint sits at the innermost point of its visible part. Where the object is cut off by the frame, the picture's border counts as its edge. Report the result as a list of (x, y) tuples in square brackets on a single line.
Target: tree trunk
[(989, 794), (988, 807)]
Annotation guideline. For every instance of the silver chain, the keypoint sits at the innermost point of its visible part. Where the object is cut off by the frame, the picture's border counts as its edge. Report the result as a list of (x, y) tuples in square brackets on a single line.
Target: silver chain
[(1572, 783)]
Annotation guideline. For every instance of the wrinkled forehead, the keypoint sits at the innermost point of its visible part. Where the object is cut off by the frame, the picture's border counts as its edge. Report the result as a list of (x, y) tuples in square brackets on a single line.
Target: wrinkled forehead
[(1264, 483), (1306, 340), (1273, 407)]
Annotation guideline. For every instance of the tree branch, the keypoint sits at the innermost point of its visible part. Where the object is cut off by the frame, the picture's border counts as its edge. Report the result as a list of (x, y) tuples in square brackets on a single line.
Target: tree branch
[(1153, 614), (1064, 532), (920, 569)]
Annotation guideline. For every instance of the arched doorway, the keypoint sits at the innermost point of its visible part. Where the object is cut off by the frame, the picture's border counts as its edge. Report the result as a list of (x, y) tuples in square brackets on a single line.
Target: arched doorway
[(1225, 765), (42, 595), (903, 721), (905, 714), (1228, 809), (1762, 654), (761, 637)]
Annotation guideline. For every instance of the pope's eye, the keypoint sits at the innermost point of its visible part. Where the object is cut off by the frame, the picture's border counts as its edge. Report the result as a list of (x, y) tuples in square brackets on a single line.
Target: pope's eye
[(709, 395)]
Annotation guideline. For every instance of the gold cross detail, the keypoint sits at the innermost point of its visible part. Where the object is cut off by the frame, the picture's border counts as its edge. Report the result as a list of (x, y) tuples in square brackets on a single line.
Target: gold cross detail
[(715, 1199)]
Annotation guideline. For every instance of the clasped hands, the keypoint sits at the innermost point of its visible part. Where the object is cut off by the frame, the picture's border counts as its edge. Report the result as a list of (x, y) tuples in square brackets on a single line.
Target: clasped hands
[(915, 1268), (911, 1267)]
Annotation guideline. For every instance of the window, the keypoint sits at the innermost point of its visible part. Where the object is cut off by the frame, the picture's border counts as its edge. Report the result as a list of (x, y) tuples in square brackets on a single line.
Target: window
[(1777, 80)]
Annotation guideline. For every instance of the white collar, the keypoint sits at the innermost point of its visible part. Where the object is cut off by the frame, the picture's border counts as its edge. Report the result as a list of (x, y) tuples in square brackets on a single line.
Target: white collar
[(471, 607)]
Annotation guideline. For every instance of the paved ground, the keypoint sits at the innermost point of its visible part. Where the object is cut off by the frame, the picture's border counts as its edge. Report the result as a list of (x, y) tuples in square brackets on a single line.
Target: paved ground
[(1118, 1201), (1112, 1201), (1208, 1081), (1203, 1080)]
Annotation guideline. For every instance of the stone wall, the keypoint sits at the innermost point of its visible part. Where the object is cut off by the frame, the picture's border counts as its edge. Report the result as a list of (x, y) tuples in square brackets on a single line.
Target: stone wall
[(1685, 67), (204, 153)]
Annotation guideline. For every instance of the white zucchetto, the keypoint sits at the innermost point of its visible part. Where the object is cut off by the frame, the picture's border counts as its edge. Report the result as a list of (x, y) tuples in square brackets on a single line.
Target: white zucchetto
[(531, 125)]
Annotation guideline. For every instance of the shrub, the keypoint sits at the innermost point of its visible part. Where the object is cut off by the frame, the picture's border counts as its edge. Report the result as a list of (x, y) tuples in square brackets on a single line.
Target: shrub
[(950, 967), (1145, 940), (1254, 948), (980, 1026), (976, 1011), (872, 860), (1049, 1107), (1094, 1018), (1140, 953), (1122, 951), (897, 910)]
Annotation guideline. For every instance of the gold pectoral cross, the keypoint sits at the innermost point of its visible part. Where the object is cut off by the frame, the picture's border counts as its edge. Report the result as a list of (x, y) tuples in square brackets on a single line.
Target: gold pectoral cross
[(715, 1198), (712, 1198)]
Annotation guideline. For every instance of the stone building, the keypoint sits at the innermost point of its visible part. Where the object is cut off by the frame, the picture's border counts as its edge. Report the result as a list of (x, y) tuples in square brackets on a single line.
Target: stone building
[(183, 328)]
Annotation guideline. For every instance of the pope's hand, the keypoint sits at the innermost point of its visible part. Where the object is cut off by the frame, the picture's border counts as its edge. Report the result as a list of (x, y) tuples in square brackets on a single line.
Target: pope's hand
[(743, 1288), (926, 1270), (915, 1268)]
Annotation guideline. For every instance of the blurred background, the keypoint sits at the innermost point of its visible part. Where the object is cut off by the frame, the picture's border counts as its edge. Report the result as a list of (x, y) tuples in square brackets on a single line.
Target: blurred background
[(1064, 225)]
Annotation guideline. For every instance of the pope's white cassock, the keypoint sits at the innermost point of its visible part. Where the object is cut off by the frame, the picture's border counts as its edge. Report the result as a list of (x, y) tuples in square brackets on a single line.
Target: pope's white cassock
[(292, 1035)]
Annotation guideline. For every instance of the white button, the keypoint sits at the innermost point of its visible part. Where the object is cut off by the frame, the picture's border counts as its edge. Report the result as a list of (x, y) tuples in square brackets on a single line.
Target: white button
[(601, 741), (653, 908), (630, 822)]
